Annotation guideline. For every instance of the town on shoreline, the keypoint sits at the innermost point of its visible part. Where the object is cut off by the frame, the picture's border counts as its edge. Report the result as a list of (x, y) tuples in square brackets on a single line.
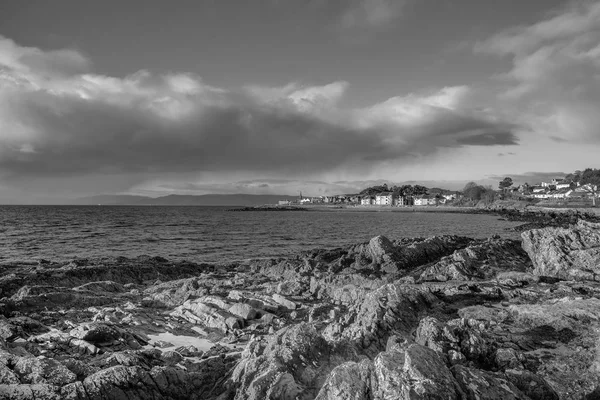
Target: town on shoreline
[(570, 191)]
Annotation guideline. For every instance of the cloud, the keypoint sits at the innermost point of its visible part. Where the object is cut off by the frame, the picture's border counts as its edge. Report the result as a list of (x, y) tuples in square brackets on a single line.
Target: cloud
[(555, 75), (530, 177), (377, 14), (58, 119)]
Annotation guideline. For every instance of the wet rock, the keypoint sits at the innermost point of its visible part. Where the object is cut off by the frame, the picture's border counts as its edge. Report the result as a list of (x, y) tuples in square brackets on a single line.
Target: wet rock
[(172, 357)]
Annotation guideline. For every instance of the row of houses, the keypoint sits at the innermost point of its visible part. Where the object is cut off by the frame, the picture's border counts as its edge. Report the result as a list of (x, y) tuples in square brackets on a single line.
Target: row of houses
[(381, 199), (388, 199)]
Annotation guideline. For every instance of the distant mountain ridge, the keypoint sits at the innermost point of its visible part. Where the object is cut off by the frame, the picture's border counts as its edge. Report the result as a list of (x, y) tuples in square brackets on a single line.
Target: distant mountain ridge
[(185, 200)]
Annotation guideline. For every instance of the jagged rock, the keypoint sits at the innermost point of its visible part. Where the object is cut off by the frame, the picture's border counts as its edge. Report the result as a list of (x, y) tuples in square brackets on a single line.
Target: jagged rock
[(43, 370), (477, 384), (393, 308), (292, 362), (416, 371), (459, 335), (279, 299), (382, 251), (172, 357), (572, 253), (8, 330), (175, 293), (401, 373), (208, 315), (189, 351), (7, 376), (478, 261), (349, 381), (532, 385), (30, 392)]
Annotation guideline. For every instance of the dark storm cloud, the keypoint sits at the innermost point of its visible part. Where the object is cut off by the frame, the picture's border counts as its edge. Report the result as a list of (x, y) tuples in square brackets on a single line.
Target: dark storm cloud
[(490, 139), (63, 124)]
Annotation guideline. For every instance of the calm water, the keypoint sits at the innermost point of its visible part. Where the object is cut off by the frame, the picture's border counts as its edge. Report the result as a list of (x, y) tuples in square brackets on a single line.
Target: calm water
[(211, 233)]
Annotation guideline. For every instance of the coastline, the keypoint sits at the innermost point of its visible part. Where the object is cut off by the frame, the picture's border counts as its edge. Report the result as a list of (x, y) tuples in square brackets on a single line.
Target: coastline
[(440, 306)]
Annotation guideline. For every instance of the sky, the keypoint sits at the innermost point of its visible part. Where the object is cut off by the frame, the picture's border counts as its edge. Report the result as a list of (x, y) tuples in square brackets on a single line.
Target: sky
[(280, 96)]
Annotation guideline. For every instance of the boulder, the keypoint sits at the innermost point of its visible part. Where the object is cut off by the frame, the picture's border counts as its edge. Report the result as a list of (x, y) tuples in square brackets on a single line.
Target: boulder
[(96, 333), (208, 315), (417, 372), (7, 376), (279, 299), (565, 253), (244, 311), (43, 370), (348, 381), (30, 392)]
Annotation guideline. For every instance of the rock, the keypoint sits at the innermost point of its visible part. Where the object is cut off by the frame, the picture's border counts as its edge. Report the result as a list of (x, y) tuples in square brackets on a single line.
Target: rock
[(417, 372), (209, 315), (172, 357), (279, 299), (189, 351), (161, 344), (349, 381), (290, 363), (565, 253), (532, 385), (96, 333), (291, 288), (478, 384), (478, 261), (30, 392), (393, 308), (244, 311), (382, 250), (43, 370), (507, 359), (101, 286), (7, 376), (7, 330)]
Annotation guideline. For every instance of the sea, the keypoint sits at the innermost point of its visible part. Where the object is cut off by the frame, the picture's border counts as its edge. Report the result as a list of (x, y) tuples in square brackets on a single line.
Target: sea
[(213, 234)]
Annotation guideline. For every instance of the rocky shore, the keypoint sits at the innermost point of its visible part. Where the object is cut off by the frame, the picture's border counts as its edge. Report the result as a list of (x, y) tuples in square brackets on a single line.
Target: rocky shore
[(435, 318)]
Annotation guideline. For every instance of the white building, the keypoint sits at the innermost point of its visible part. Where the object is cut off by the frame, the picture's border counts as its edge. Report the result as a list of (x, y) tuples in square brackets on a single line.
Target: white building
[(384, 199), (366, 201)]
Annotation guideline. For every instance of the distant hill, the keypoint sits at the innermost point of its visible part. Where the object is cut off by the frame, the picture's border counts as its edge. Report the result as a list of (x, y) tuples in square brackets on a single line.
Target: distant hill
[(109, 199), (185, 200)]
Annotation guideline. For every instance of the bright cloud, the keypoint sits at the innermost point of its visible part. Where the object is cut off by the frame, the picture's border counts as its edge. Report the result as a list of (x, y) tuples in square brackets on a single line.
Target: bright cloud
[(555, 78), (58, 119)]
